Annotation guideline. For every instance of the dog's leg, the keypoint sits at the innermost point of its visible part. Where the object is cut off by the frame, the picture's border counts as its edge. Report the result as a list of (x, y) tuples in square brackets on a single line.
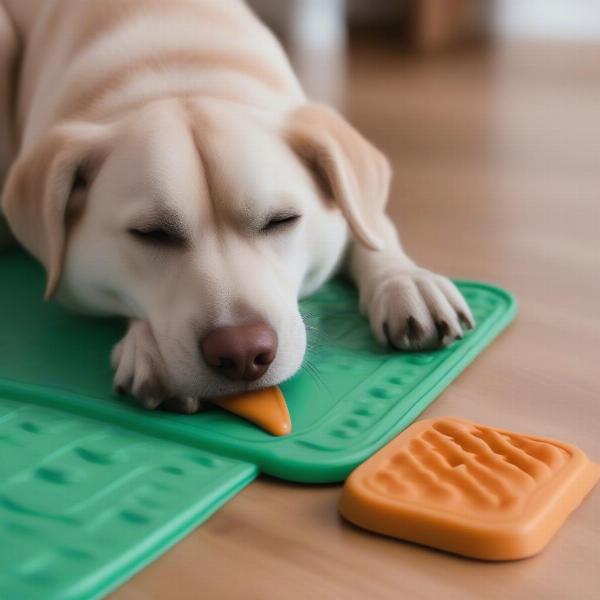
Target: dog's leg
[(408, 307), (140, 371), (9, 52)]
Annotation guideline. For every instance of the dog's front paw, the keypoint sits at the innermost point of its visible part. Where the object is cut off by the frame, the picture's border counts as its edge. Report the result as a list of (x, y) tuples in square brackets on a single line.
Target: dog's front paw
[(415, 309), (138, 366), (140, 372)]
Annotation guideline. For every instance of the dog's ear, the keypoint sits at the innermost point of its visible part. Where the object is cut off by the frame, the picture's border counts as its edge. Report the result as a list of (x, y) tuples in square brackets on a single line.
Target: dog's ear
[(44, 183), (348, 169)]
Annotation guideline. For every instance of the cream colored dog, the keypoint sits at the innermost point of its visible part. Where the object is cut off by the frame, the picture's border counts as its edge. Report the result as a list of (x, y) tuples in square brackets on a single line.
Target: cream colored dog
[(160, 159)]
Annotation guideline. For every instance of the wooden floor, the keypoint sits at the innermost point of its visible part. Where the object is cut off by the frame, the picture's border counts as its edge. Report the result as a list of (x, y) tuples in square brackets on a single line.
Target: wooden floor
[(497, 162)]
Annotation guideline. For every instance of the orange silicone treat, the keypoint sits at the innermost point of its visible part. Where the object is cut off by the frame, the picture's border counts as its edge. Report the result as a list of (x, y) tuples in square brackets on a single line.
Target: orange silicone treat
[(265, 408), (470, 489)]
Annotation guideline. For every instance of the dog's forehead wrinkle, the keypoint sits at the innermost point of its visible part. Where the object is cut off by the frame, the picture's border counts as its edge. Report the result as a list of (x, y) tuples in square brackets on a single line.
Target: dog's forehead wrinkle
[(239, 153), (158, 155)]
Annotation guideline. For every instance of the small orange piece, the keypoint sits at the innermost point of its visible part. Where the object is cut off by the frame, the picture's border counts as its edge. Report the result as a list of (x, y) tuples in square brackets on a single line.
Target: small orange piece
[(265, 408), (470, 489)]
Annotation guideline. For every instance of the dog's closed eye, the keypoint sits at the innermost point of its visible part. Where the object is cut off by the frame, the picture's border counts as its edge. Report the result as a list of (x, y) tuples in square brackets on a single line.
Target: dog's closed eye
[(161, 228), (280, 221), (158, 236)]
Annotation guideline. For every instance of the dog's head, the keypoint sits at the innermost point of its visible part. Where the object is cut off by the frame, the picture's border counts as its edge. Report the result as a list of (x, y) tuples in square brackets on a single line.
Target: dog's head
[(207, 220)]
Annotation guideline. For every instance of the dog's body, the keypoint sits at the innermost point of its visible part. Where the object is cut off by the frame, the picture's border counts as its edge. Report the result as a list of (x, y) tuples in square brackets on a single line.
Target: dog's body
[(162, 162)]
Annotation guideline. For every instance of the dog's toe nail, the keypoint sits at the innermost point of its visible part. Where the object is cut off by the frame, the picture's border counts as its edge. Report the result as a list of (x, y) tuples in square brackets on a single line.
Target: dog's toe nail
[(414, 329), (465, 320), (189, 405), (150, 403), (388, 335), (184, 406), (443, 330)]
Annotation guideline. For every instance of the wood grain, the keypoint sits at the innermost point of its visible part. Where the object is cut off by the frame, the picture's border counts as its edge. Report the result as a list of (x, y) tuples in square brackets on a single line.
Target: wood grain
[(497, 162)]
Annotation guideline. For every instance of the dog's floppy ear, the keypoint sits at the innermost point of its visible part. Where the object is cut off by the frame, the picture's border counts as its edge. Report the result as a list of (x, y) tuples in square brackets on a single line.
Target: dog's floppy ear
[(347, 168), (40, 185)]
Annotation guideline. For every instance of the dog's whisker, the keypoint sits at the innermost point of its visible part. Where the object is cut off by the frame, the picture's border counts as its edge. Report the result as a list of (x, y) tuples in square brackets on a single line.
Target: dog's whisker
[(314, 371)]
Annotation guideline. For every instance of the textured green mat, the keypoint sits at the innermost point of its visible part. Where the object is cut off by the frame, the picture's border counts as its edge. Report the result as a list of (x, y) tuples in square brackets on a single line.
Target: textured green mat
[(80, 521), (83, 503)]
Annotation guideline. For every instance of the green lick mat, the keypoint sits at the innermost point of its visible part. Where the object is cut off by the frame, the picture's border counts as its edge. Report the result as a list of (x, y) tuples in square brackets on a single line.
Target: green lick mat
[(92, 488)]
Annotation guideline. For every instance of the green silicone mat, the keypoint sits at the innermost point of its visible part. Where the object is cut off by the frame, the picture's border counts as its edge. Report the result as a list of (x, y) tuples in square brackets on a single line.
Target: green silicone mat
[(80, 468), (83, 503)]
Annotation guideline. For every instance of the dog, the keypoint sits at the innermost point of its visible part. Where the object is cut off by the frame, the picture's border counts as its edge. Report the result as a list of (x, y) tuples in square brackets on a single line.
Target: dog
[(161, 160)]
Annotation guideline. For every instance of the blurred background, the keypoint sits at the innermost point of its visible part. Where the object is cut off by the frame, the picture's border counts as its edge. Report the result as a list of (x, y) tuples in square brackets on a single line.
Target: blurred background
[(489, 113), (320, 34)]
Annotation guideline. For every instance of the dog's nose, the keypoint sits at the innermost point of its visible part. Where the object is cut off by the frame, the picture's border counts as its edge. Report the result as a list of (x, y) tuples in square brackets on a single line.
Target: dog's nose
[(241, 353)]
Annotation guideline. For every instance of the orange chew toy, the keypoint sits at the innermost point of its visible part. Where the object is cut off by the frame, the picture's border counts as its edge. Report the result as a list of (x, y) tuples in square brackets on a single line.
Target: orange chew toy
[(265, 408), (469, 489)]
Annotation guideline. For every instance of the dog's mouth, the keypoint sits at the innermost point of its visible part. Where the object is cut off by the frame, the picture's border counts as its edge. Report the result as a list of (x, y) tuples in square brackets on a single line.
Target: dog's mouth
[(265, 408), (184, 372), (155, 395), (245, 396)]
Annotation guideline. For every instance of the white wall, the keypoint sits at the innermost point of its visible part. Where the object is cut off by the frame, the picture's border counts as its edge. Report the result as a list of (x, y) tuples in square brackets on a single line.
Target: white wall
[(315, 32), (567, 20)]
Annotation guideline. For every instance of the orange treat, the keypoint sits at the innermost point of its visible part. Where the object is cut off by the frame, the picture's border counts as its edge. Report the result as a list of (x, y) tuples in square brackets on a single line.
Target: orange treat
[(265, 408), (469, 489)]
